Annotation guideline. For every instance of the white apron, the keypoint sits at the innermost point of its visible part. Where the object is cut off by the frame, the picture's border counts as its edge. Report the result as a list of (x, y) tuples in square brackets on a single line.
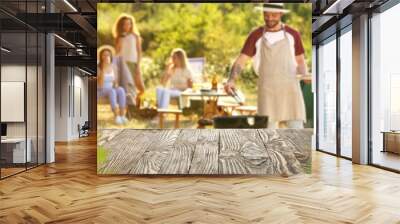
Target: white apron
[(279, 93)]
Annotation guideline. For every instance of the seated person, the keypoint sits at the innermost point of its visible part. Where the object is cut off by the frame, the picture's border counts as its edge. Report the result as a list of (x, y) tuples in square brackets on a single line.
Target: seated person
[(107, 85), (177, 78)]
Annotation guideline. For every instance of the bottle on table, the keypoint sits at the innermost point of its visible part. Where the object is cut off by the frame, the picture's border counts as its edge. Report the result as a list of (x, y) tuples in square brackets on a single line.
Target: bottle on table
[(214, 83)]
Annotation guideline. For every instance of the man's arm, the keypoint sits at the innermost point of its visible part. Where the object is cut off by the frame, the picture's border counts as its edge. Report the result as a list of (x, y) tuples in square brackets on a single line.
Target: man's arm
[(301, 65), (237, 67), (248, 51), (302, 68)]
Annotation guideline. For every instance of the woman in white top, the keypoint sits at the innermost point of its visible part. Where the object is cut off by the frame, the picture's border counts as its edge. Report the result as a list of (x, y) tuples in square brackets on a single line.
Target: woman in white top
[(129, 47), (177, 78), (107, 84)]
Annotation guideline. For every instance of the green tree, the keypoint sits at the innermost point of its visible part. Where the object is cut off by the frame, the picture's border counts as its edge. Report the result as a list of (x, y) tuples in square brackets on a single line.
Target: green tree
[(216, 31)]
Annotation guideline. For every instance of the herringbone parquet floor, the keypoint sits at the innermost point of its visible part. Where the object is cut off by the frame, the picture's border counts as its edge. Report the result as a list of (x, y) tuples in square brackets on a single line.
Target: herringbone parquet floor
[(69, 191)]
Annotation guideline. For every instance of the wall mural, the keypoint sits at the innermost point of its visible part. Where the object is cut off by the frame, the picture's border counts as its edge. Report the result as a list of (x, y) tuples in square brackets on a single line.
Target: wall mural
[(192, 88)]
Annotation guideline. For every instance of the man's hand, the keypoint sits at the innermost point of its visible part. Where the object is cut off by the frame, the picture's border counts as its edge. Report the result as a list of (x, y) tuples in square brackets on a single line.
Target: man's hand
[(235, 72), (301, 65), (229, 87)]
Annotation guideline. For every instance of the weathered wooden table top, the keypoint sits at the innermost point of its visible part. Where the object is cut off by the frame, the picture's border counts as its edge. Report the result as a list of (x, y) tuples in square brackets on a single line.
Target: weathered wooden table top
[(205, 151)]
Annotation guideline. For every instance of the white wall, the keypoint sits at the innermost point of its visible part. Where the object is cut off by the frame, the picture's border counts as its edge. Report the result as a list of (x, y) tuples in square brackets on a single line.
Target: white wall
[(71, 94), (61, 104), (15, 73), (33, 127)]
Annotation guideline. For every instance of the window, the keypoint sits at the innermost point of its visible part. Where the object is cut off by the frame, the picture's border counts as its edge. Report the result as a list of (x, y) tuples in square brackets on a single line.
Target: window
[(327, 96), (385, 86), (346, 92), (22, 77)]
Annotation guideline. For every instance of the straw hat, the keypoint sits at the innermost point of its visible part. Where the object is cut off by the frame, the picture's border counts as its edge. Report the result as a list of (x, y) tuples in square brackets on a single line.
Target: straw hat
[(273, 7)]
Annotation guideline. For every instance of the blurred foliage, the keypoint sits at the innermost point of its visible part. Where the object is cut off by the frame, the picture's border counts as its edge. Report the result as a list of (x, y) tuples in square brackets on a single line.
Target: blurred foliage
[(101, 156), (214, 31)]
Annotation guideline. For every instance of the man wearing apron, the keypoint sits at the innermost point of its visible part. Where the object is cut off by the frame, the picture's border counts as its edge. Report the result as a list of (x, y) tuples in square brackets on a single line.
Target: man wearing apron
[(278, 56)]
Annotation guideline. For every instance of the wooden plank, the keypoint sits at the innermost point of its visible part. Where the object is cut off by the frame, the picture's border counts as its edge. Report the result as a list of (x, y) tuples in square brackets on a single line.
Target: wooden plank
[(105, 135), (242, 152), (281, 153), (119, 150), (301, 140), (178, 161), (208, 151), (152, 154), (205, 157)]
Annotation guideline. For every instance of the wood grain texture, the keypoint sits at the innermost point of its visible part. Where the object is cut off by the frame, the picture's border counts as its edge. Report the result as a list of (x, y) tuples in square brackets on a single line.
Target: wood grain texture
[(180, 158), (106, 135), (211, 151), (243, 152), (205, 158), (301, 141), (280, 152), (117, 150), (138, 151), (70, 191), (153, 155)]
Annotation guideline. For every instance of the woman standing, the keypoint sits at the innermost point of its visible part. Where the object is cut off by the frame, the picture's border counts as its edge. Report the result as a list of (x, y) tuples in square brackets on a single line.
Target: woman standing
[(129, 48), (177, 78), (107, 85)]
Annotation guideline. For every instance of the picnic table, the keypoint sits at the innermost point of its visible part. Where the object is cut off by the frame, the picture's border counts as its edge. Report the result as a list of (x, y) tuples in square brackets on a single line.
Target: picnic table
[(209, 98)]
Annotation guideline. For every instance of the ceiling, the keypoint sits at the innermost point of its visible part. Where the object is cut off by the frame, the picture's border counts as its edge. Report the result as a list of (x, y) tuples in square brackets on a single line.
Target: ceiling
[(330, 15), (76, 22)]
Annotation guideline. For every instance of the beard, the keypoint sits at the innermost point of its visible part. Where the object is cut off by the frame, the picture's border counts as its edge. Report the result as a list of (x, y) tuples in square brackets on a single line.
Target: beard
[(271, 23)]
